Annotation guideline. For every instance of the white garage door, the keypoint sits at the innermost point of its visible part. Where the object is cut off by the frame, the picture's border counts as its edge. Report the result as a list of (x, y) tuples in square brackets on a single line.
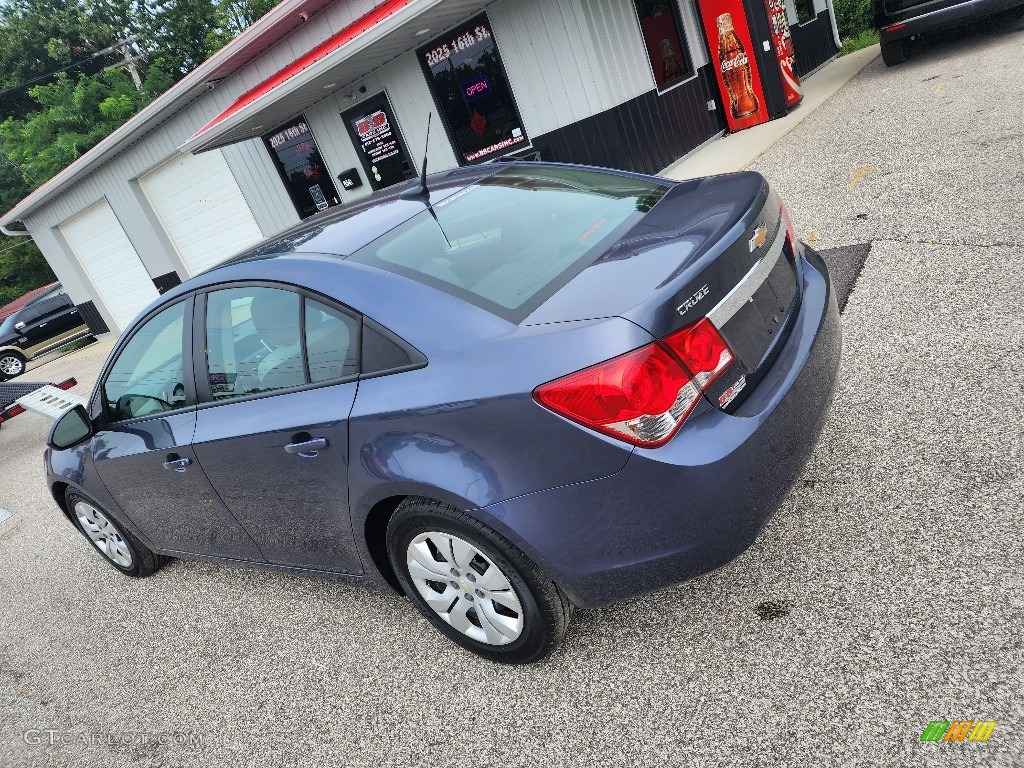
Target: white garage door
[(113, 266), (201, 208)]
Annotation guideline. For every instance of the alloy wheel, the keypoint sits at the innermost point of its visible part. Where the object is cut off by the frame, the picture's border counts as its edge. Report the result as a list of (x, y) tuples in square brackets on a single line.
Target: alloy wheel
[(11, 365), (465, 588), (103, 533)]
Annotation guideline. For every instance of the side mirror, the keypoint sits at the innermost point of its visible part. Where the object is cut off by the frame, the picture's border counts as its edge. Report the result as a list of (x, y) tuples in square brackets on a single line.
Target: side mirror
[(19, 326), (70, 429)]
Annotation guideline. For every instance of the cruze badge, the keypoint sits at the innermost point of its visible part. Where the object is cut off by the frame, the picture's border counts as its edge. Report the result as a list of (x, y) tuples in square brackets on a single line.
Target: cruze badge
[(760, 237), (691, 302)]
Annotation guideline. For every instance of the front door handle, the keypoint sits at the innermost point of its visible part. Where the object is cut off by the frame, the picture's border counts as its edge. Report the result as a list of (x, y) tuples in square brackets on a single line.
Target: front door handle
[(177, 463), (309, 448)]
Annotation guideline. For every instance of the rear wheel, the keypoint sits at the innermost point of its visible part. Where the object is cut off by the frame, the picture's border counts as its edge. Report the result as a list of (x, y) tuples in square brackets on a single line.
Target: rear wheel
[(894, 52), (475, 586), (11, 364), (117, 546)]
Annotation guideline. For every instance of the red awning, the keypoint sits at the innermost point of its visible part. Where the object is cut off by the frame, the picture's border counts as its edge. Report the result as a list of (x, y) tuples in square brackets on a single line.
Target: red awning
[(329, 46)]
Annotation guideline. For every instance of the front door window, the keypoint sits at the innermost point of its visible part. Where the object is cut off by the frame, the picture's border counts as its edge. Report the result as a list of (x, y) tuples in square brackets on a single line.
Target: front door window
[(148, 376)]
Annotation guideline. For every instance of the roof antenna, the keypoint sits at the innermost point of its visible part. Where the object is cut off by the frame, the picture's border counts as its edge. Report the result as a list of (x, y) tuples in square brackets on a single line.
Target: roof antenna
[(421, 191)]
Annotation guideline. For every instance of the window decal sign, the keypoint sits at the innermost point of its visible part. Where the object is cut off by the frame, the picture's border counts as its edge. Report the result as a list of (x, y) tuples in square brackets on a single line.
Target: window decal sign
[(472, 92)]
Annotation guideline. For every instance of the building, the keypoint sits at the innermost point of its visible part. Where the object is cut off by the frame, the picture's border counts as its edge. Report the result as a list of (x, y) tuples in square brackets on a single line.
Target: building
[(321, 102)]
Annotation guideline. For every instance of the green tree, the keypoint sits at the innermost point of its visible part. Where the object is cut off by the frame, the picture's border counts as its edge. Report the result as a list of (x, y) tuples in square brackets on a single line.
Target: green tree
[(74, 116)]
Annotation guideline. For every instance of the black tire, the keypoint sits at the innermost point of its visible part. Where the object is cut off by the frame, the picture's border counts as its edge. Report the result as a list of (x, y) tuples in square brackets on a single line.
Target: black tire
[(144, 562), (15, 361), (894, 52), (546, 611)]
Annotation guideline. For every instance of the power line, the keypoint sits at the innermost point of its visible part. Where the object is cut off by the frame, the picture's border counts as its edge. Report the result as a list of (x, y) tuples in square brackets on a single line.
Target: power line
[(12, 247), (109, 49)]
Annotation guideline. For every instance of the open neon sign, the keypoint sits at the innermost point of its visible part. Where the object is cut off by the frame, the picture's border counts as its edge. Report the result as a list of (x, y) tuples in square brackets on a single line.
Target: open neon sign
[(477, 89)]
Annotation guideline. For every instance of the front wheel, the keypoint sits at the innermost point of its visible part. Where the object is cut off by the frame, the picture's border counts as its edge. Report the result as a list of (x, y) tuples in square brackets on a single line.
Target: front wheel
[(894, 52), (117, 546), (11, 364), (475, 586)]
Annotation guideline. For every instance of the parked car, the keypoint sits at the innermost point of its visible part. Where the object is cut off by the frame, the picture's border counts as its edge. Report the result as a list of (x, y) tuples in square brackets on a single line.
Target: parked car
[(551, 386), (898, 21), (42, 325)]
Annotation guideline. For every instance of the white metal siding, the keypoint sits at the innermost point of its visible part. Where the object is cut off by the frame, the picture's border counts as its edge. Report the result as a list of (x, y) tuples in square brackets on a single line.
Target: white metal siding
[(201, 208), (108, 257)]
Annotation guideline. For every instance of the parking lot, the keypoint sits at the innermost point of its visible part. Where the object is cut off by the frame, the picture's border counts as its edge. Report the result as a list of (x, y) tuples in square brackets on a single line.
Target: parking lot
[(886, 593)]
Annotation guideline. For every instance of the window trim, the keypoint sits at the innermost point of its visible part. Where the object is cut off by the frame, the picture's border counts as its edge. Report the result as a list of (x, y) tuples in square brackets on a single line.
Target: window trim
[(201, 368), (98, 407), (684, 48)]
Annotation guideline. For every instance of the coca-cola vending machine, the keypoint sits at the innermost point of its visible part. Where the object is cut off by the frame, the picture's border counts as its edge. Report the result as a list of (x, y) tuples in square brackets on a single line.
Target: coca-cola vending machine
[(752, 52)]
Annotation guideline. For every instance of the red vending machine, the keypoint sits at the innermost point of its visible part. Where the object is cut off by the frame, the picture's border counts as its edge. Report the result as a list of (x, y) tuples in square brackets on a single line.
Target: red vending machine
[(782, 42), (752, 52)]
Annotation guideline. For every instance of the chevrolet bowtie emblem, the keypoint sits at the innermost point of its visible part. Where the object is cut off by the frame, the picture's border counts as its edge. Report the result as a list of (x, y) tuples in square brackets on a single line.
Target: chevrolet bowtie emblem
[(760, 237)]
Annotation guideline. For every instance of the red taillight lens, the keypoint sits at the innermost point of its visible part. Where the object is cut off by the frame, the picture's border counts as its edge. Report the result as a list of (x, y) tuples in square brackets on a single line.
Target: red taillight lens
[(644, 396)]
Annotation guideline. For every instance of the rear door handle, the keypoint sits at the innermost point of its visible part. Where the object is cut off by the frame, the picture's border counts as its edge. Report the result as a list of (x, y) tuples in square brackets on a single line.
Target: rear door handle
[(309, 448), (177, 463)]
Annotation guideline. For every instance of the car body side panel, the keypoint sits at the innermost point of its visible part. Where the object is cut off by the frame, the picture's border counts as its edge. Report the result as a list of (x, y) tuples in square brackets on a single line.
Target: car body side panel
[(688, 507), (74, 467), (934, 16)]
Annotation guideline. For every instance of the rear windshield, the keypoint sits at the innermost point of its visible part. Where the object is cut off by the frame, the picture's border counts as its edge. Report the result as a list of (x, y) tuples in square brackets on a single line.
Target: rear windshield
[(508, 242)]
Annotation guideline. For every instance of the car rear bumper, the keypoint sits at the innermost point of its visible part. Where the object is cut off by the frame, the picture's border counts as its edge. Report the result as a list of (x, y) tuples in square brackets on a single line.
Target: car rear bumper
[(918, 21), (684, 509)]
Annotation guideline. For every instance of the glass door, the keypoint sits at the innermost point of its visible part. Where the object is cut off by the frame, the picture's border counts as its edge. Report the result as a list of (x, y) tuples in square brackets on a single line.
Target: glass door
[(378, 141)]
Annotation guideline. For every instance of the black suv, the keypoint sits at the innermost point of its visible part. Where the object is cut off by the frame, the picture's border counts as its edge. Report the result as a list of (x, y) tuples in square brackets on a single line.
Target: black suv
[(45, 323), (899, 20)]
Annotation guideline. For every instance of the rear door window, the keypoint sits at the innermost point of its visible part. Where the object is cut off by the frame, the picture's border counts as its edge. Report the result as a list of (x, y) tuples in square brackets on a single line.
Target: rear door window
[(261, 339)]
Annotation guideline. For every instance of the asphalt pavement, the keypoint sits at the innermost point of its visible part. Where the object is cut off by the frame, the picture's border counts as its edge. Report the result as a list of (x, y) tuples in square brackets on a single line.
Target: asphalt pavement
[(886, 593)]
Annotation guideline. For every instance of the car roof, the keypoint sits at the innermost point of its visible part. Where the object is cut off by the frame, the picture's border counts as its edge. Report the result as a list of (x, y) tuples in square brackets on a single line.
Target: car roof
[(315, 252)]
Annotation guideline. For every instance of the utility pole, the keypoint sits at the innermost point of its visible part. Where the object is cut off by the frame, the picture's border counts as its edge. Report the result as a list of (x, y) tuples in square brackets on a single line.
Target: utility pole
[(130, 58)]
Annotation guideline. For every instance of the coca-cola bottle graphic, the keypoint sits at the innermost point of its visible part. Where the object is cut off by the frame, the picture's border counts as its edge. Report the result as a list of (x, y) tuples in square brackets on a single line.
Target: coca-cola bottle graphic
[(735, 69)]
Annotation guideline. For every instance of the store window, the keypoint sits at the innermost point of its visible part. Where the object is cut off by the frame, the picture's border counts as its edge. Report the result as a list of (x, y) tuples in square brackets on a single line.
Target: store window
[(660, 26), (472, 92), (302, 168)]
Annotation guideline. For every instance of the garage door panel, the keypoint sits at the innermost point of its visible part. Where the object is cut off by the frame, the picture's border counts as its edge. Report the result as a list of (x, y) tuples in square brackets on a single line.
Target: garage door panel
[(201, 209), (111, 262)]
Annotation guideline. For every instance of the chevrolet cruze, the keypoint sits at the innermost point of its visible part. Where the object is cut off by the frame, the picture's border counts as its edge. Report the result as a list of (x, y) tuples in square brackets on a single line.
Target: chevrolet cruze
[(533, 387)]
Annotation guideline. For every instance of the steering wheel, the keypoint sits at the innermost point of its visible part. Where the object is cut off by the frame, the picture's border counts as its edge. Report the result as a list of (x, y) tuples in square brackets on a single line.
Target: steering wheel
[(124, 402)]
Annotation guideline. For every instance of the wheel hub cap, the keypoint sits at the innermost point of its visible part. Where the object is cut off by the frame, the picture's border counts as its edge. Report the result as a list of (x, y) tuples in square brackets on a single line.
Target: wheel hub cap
[(103, 534), (10, 365), (463, 587)]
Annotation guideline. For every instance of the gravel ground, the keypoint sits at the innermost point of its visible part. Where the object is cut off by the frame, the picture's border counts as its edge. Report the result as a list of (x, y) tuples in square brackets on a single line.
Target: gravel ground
[(886, 593)]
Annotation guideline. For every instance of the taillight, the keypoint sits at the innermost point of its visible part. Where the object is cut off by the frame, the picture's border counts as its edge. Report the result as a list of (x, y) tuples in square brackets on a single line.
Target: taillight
[(643, 396)]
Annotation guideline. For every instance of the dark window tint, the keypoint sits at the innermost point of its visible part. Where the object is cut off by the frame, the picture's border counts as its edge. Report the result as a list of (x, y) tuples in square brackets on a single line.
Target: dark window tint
[(381, 353), (509, 241), (147, 378), (302, 168), (471, 88), (254, 341), (378, 142), (660, 28), (332, 342)]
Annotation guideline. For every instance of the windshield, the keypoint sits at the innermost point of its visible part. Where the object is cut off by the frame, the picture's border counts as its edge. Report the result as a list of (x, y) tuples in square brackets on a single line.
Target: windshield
[(508, 242), (7, 324)]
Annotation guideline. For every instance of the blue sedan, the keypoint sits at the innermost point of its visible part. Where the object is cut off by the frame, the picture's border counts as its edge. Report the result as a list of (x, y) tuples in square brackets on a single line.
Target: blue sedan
[(507, 392)]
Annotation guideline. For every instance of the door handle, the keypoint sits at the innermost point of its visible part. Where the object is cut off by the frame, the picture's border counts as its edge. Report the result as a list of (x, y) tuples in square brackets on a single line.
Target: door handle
[(177, 463), (42, 325), (309, 448)]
